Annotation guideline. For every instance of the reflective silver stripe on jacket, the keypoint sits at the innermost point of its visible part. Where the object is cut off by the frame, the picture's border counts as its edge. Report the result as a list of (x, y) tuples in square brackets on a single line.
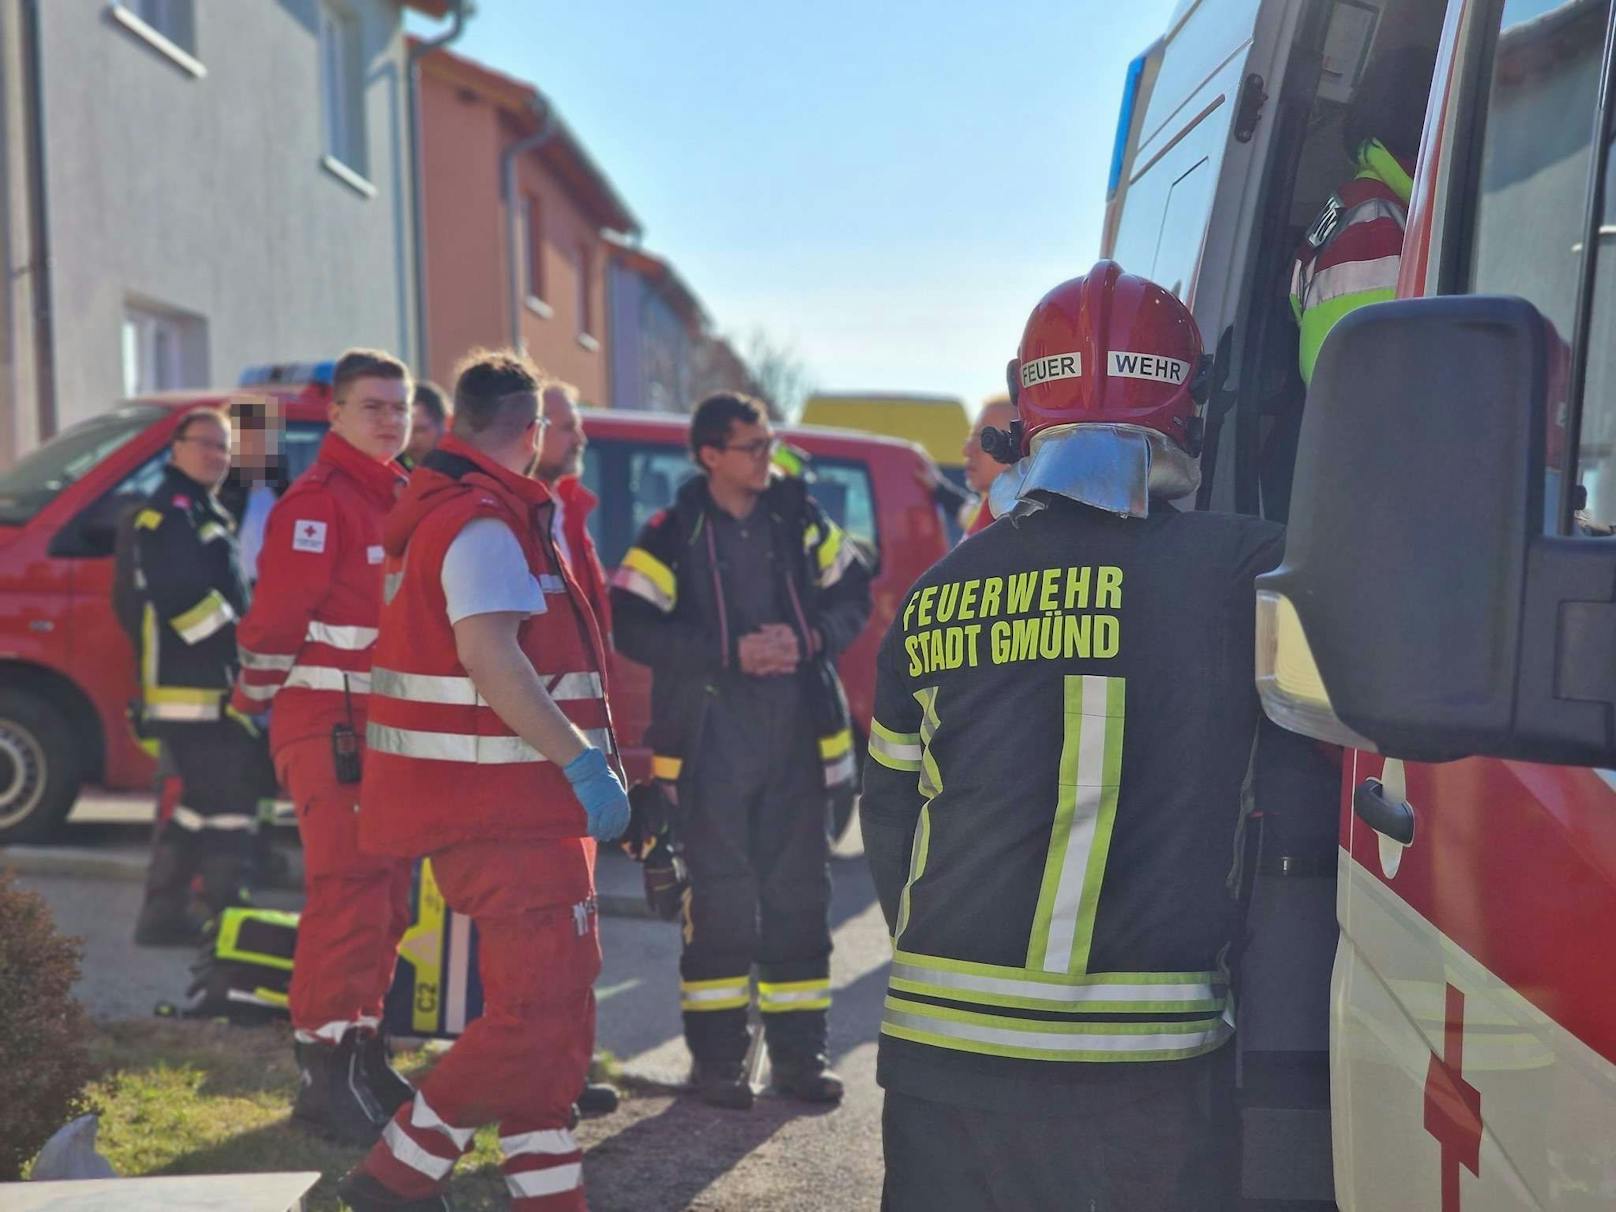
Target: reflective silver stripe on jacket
[(461, 747), (947, 983), (265, 660), (193, 821), (457, 691), (355, 639), (323, 677), (1006, 1037)]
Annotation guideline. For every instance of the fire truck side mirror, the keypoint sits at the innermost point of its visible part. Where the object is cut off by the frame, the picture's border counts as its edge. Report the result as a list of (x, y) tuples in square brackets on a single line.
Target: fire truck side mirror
[(1420, 609)]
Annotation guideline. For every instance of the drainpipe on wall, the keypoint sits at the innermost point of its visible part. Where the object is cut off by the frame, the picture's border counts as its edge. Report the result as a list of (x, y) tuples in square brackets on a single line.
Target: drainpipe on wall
[(457, 24), (39, 229), (507, 175)]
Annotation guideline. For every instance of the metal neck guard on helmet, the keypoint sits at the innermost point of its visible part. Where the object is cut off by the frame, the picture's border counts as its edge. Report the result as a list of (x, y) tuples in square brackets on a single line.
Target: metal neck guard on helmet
[(1107, 385)]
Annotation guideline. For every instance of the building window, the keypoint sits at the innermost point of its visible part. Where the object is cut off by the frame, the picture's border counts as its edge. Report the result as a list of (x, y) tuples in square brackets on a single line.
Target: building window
[(342, 89), (162, 350), (531, 255), (586, 290), (174, 19), (167, 26)]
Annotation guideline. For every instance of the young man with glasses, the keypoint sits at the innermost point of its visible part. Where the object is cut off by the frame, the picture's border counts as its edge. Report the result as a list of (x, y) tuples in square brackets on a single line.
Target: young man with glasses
[(188, 592), (740, 597)]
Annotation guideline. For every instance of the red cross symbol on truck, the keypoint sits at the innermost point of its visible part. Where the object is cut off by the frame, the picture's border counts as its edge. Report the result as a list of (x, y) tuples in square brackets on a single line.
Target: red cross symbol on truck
[(1453, 1105)]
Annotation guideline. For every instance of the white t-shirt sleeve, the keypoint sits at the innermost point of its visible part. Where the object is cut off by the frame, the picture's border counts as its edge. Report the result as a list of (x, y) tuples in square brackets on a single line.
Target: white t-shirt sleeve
[(485, 572)]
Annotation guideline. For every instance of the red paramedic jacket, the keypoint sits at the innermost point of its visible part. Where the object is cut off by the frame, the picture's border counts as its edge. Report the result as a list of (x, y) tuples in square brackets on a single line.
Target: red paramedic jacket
[(306, 643), (442, 767), (577, 503)]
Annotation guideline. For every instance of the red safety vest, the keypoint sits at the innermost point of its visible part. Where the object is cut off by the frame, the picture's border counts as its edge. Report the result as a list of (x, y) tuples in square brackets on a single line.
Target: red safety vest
[(306, 642), (442, 767)]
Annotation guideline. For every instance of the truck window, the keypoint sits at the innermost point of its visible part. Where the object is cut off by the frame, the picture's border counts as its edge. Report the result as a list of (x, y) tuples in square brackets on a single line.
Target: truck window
[(1596, 438), (843, 491), (41, 477), (1532, 189)]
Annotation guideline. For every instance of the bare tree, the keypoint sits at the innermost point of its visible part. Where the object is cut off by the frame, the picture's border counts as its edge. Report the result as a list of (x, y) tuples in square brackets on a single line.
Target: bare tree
[(783, 379)]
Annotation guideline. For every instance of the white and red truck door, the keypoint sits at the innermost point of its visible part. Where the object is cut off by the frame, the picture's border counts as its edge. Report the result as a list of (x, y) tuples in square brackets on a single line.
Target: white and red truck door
[(1474, 996)]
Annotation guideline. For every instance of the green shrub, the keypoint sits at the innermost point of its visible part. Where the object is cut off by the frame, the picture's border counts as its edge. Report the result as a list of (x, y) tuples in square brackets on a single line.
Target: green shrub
[(44, 1037)]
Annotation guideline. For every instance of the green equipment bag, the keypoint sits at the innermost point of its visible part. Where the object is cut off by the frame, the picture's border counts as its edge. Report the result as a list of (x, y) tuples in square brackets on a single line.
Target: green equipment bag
[(245, 969)]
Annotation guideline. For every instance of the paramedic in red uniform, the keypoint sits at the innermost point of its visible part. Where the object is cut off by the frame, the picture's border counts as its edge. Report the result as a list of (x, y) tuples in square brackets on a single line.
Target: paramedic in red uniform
[(490, 752), (306, 651), (560, 465)]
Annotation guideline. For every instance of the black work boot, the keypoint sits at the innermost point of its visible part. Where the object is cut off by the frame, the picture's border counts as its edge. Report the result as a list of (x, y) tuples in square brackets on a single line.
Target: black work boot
[(362, 1192), (165, 915), (808, 1079), (333, 1097), (722, 1083), (390, 1088), (597, 1098)]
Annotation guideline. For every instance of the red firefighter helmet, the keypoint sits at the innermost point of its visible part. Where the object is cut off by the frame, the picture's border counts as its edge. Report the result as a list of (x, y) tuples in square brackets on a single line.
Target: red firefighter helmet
[(1110, 348)]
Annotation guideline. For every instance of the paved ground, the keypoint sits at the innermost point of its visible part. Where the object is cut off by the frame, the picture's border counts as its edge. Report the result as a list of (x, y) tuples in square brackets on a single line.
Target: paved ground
[(661, 1150)]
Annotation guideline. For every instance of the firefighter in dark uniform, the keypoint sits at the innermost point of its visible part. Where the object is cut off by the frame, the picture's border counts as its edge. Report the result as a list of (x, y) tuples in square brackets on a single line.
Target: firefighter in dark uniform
[(1065, 713), (190, 592), (740, 597)]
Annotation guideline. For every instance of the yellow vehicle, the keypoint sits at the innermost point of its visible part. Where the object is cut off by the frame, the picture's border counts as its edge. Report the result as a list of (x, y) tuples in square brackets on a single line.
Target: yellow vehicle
[(938, 424)]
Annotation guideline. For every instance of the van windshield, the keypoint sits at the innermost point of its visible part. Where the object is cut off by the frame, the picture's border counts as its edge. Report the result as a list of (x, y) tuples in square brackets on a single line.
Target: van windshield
[(41, 477)]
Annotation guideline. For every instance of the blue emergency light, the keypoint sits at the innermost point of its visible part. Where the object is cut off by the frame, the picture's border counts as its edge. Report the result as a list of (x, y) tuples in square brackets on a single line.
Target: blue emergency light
[(1130, 97), (287, 372)]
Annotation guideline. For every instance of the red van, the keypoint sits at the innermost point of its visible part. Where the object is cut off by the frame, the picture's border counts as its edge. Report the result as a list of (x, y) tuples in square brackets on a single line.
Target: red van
[(67, 674)]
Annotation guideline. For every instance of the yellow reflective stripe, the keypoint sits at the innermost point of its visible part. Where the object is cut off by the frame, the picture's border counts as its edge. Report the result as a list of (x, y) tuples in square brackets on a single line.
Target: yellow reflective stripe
[(203, 619), (665, 767), (422, 949), (209, 531), (1080, 835), (779, 997), (836, 744), (832, 554), (725, 993), (1040, 1039), (642, 574), (895, 750), (918, 850), (148, 519)]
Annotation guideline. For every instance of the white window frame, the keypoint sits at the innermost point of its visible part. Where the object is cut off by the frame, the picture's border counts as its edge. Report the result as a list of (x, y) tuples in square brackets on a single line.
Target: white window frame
[(167, 26), (342, 97), (153, 345)]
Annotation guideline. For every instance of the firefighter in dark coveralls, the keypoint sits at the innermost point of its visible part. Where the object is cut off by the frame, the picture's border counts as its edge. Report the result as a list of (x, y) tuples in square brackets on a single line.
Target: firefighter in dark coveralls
[(740, 597), (1065, 713)]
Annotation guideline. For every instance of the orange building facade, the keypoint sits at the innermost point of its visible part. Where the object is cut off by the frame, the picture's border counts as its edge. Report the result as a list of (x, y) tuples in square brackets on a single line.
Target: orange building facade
[(492, 273)]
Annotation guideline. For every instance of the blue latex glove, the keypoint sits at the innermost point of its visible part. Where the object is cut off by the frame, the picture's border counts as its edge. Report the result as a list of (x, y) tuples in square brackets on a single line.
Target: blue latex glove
[(596, 786)]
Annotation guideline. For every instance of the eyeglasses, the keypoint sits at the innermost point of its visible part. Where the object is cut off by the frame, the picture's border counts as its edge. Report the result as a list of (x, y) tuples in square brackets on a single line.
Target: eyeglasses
[(208, 444), (755, 449)]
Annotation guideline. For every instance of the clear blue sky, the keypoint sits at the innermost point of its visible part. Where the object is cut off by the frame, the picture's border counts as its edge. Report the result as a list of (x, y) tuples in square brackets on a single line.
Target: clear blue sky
[(885, 187)]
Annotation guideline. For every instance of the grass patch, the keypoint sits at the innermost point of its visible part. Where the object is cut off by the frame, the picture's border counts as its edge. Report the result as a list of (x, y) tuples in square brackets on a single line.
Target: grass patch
[(207, 1098)]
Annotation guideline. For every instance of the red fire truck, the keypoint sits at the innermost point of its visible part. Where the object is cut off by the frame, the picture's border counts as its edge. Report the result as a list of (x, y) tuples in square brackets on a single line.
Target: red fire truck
[(67, 674), (1446, 610)]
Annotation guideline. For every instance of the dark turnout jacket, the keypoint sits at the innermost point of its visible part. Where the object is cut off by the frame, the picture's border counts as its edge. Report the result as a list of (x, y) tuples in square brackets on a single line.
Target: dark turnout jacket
[(1065, 713), (670, 611)]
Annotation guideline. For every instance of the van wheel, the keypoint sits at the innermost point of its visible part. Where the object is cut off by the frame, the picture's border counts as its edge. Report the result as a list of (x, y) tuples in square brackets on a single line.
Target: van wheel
[(40, 770)]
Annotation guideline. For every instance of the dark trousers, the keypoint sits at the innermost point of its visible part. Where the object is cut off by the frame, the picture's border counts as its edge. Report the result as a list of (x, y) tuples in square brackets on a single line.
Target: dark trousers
[(224, 770), (1150, 1154), (752, 817)]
